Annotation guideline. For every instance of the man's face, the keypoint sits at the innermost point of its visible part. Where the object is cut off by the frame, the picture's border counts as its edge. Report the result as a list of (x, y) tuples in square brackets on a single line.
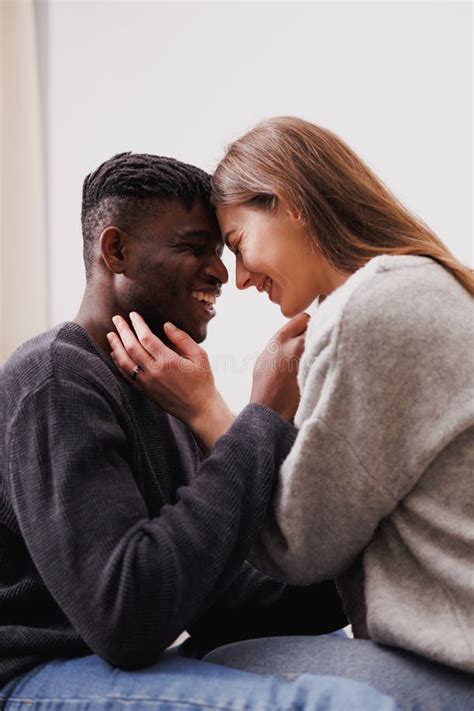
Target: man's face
[(175, 269)]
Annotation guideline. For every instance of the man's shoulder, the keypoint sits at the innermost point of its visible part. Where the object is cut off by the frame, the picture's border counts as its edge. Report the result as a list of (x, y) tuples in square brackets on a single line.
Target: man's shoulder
[(64, 354), (31, 363)]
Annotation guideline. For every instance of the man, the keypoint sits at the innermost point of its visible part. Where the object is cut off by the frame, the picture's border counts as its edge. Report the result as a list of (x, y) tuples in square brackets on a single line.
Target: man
[(116, 533)]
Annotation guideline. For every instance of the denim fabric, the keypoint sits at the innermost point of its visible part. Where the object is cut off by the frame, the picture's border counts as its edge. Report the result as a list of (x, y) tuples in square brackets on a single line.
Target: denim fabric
[(417, 684), (89, 684)]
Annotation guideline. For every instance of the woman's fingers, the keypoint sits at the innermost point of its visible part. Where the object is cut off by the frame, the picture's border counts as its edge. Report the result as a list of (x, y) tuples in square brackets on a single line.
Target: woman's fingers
[(150, 342), (186, 346), (295, 327), (142, 346), (121, 358), (179, 381), (145, 343), (131, 344)]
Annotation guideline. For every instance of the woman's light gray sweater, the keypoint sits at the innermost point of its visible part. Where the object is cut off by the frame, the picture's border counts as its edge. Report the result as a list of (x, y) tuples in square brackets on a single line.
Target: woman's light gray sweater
[(378, 489)]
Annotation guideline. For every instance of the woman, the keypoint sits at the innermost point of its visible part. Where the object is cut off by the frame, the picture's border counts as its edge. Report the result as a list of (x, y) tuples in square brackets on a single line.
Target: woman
[(378, 488)]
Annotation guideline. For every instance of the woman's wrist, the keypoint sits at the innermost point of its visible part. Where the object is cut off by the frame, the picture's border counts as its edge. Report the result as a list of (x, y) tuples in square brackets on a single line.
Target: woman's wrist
[(213, 421)]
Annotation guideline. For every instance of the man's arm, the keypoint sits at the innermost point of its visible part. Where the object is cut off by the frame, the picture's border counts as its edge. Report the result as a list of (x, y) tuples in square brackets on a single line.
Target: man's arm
[(129, 584), (257, 606)]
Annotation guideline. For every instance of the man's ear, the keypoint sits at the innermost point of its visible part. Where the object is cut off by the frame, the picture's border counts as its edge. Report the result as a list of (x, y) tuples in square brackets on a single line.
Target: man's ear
[(113, 244)]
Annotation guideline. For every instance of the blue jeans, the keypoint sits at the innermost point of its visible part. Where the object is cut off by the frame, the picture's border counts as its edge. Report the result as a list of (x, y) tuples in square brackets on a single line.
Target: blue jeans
[(417, 684), (90, 684)]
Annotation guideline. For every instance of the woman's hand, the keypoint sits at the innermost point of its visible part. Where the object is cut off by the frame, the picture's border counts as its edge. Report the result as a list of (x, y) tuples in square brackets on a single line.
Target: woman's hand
[(275, 371), (179, 382)]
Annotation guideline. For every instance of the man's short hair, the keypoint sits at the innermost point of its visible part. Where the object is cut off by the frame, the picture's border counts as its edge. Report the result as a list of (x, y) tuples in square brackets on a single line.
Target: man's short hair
[(124, 189)]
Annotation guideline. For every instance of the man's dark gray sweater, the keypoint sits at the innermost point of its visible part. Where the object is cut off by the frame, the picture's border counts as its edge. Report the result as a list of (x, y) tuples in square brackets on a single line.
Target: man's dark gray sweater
[(115, 535)]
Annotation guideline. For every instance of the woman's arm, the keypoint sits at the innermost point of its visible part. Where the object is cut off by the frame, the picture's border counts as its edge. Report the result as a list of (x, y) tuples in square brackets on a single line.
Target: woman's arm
[(181, 380), (385, 392)]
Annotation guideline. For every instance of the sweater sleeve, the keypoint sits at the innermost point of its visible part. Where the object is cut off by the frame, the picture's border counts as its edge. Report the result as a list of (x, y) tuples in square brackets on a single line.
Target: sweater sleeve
[(127, 583), (374, 413), (257, 606)]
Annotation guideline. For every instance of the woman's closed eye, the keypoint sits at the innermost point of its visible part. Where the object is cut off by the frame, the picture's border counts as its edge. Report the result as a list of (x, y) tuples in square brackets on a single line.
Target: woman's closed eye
[(235, 248)]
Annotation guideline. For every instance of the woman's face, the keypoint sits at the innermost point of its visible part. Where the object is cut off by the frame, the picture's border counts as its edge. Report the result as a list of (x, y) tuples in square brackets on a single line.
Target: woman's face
[(275, 254)]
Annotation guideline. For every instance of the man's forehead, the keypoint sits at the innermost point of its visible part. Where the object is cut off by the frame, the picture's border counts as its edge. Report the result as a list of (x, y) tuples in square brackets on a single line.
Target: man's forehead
[(195, 231), (179, 222)]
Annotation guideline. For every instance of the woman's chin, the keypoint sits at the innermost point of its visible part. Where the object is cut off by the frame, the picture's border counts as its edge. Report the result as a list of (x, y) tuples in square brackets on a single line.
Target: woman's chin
[(288, 311), (298, 306)]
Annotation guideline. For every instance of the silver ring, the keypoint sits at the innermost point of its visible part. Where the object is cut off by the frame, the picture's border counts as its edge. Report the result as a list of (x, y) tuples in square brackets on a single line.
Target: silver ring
[(135, 371)]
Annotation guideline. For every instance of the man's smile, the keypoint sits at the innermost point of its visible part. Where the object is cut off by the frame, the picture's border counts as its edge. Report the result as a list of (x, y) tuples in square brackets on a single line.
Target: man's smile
[(206, 299)]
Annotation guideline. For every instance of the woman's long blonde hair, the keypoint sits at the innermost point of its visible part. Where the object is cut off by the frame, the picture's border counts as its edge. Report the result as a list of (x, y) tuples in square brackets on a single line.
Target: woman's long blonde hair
[(347, 210)]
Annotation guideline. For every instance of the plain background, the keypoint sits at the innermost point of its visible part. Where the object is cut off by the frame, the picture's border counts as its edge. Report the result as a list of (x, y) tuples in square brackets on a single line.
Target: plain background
[(184, 79)]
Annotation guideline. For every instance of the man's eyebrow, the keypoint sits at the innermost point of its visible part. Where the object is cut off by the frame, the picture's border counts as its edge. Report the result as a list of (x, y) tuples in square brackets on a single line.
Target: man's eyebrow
[(192, 234), (183, 236)]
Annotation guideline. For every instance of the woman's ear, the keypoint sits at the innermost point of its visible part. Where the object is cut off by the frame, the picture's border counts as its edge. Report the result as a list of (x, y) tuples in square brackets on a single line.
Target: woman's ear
[(297, 217), (112, 244), (294, 214)]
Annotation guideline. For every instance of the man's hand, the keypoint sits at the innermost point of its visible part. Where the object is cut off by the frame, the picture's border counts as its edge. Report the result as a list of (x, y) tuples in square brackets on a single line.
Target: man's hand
[(274, 375)]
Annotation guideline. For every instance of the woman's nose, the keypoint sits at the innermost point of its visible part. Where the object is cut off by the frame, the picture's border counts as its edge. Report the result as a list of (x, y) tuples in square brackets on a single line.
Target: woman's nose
[(243, 278)]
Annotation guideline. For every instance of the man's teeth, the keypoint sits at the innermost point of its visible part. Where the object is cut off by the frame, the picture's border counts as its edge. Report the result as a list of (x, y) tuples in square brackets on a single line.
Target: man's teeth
[(210, 299), (267, 285)]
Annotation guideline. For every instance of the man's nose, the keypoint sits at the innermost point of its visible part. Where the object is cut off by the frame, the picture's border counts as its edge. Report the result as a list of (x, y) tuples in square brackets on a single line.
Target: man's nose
[(217, 269)]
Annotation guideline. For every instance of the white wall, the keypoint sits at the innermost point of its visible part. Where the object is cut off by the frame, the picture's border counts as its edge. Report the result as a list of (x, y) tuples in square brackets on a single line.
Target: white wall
[(183, 79)]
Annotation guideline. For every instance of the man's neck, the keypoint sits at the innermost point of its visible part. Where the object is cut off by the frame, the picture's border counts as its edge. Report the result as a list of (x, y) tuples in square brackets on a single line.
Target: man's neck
[(95, 330), (95, 317)]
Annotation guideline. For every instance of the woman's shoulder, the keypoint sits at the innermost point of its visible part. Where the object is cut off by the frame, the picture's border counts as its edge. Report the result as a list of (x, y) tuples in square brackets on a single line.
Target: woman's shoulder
[(390, 287), (397, 325), (405, 293), (393, 299)]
